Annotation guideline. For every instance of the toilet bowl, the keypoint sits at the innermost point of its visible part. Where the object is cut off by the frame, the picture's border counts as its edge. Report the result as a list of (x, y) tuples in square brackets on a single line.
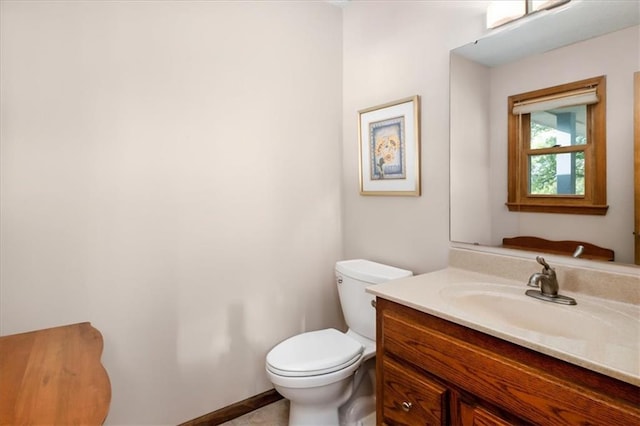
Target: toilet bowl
[(323, 372), (321, 365)]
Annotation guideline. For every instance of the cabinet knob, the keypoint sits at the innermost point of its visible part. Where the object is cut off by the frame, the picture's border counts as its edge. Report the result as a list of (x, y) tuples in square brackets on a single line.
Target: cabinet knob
[(406, 406)]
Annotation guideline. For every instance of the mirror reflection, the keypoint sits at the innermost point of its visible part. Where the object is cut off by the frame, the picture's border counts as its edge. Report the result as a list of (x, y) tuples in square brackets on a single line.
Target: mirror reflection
[(482, 79)]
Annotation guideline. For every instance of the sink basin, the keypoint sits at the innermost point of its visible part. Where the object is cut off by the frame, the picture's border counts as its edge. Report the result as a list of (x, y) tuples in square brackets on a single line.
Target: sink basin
[(607, 330)]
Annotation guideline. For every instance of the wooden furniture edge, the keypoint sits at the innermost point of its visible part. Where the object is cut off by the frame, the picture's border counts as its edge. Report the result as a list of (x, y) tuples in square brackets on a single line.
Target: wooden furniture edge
[(56, 374), (105, 373), (564, 247)]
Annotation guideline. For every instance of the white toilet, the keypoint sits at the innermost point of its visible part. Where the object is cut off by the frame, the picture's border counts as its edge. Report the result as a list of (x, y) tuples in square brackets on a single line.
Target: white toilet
[(329, 376)]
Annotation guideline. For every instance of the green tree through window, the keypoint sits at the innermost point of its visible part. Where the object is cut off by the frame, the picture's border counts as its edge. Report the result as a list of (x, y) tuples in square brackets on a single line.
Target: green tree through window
[(543, 168)]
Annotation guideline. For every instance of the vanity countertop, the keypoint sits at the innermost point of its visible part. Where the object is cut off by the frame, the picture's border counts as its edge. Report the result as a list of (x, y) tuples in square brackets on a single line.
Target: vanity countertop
[(618, 358)]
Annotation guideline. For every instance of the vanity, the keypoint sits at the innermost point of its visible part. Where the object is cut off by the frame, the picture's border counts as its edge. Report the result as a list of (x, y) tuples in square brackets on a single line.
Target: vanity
[(465, 346)]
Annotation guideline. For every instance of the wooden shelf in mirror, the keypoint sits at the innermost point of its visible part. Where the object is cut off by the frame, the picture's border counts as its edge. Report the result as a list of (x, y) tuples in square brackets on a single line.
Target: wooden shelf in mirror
[(566, 247)]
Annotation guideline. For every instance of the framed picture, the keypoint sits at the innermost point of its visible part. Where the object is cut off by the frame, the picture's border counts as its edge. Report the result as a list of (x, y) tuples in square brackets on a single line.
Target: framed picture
[(389, 137)]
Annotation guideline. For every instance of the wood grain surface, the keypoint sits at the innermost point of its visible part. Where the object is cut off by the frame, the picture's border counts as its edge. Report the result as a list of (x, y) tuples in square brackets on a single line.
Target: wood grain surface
[(53, 377)]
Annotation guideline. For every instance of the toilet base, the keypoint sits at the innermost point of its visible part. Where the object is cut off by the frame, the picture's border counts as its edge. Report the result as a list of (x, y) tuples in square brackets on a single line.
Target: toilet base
[(312, 416), (358, 410), (345, 403), (319, 406), (362, 404)]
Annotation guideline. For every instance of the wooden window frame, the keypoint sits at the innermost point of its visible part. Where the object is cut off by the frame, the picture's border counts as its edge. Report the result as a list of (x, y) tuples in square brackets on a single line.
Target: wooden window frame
[(594, 200)]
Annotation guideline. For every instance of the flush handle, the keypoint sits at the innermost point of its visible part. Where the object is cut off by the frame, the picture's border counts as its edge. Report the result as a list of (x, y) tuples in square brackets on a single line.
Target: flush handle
[(406, 406)]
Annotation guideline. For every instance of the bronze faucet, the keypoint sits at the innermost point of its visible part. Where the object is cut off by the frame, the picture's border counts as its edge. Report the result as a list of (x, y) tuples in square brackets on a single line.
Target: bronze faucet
[(548, 284)]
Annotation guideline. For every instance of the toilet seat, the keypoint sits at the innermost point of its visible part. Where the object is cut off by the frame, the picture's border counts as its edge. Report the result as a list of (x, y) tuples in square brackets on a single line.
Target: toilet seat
[(314, 353)]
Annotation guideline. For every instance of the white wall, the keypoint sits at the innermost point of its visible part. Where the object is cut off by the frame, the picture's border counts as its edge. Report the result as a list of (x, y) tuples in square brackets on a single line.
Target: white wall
[(393, 50), (171, 172), (616, 55)]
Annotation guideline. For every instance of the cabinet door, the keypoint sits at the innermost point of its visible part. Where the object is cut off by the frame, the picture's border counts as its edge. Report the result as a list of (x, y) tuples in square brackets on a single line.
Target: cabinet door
[(410, 398), (474, 415)]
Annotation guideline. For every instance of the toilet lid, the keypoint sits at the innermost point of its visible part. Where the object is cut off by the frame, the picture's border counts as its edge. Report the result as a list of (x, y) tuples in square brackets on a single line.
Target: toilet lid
[(314, 353)]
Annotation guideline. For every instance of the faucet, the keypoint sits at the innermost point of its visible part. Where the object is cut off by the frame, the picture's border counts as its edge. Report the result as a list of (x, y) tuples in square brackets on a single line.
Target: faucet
[(546, 280), (548, 284), (579, 251)]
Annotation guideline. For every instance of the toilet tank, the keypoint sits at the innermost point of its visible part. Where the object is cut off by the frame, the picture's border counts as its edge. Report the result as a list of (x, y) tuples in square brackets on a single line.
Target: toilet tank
[(352, 278)]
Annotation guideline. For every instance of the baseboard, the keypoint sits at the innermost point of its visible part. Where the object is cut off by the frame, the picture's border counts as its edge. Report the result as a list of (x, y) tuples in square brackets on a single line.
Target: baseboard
[(235, 410)]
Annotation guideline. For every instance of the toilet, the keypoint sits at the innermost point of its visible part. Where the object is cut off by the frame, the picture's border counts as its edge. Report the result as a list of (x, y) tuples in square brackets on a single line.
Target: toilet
[(329, 376)]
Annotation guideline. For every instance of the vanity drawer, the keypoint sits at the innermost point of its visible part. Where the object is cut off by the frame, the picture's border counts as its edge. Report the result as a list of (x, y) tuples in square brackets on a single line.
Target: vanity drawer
[(532, 386), (411, 398)]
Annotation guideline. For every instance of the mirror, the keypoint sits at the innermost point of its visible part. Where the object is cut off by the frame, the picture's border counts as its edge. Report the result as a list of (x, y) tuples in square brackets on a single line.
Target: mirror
[(578, 40)]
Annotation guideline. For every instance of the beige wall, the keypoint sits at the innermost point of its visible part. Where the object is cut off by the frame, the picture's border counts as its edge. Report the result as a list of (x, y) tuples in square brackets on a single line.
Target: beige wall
[(171, 173), (394, 50)]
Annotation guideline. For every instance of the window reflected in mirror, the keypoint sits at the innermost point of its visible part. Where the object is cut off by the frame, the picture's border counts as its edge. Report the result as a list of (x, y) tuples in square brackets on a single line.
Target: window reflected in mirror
[(557, 146)]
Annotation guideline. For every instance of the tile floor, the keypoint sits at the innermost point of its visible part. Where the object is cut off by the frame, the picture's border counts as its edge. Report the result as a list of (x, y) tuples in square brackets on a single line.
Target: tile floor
[(275, 414)]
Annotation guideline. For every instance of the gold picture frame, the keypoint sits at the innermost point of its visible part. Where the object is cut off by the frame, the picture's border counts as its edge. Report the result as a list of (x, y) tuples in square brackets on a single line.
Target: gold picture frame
[(389, 148)]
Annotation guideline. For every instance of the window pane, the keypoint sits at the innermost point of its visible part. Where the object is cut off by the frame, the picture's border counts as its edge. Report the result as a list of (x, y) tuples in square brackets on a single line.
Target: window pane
[(556, 174), (559, 127)]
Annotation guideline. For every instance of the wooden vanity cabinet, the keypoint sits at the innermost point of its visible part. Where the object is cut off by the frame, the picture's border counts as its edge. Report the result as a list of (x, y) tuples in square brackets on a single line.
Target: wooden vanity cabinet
[(433, 372), (474, 414), (411, 397)]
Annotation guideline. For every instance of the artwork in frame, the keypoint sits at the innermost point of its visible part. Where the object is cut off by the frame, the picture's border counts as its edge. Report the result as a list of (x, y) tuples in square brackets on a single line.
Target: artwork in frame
[(389, 137)]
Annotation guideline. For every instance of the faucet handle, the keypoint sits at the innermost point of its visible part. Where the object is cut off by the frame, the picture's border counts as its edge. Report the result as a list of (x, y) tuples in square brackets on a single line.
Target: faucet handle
[(541, 261)]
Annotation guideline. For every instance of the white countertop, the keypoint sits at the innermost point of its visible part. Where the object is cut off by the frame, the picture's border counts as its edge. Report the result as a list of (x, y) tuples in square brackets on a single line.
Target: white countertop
[(614, 354)]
